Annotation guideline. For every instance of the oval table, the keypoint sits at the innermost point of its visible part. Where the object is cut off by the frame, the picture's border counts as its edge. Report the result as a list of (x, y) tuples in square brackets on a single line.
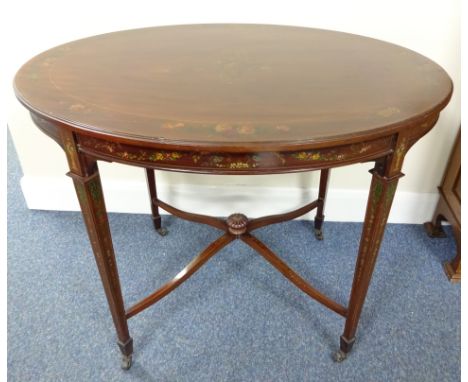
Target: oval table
[(233, 99)]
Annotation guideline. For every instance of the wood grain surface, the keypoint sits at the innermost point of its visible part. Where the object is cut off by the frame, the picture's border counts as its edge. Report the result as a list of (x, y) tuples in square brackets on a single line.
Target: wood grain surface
[(234, 85)]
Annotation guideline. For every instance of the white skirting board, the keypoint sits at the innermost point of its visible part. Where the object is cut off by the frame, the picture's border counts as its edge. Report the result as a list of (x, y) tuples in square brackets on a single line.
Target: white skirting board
[(57, 193)]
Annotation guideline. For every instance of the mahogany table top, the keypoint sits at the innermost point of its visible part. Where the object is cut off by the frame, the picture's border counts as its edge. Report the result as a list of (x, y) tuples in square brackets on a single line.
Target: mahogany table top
[(232, 86)]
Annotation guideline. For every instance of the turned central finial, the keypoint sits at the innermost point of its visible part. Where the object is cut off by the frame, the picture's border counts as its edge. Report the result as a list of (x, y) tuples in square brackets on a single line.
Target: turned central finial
[(237, 224)]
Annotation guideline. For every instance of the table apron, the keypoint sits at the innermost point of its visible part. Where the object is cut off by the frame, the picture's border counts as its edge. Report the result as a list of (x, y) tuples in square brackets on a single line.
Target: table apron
[(236, 163)]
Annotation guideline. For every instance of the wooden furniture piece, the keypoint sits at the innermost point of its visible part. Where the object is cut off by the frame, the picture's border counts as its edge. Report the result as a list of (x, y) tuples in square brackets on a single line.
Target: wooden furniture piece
[(449, 209), (233, 99)]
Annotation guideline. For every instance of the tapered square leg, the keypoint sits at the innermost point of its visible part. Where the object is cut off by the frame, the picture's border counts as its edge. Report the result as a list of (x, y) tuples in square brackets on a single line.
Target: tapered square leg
[(385, 178), (319, 217), (151, 181), (85, 175)]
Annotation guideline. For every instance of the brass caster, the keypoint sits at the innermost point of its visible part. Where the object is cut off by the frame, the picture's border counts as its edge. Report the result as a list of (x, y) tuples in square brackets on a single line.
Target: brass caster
[(126, 362), (318, 234), (162, 231), (339, 356)]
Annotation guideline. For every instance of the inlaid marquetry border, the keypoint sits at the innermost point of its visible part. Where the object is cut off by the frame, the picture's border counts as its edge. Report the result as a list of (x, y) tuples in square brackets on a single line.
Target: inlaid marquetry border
[(235, 162)]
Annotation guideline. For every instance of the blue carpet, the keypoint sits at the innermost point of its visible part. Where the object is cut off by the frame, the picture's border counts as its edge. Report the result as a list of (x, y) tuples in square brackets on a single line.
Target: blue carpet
[(237, 319)]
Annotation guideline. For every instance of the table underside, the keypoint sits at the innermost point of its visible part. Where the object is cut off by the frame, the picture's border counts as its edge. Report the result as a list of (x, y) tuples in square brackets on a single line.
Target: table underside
[(386, 151)]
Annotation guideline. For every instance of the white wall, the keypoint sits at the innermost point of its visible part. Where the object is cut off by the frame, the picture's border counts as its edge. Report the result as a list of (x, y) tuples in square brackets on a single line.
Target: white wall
[(428, 27)]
